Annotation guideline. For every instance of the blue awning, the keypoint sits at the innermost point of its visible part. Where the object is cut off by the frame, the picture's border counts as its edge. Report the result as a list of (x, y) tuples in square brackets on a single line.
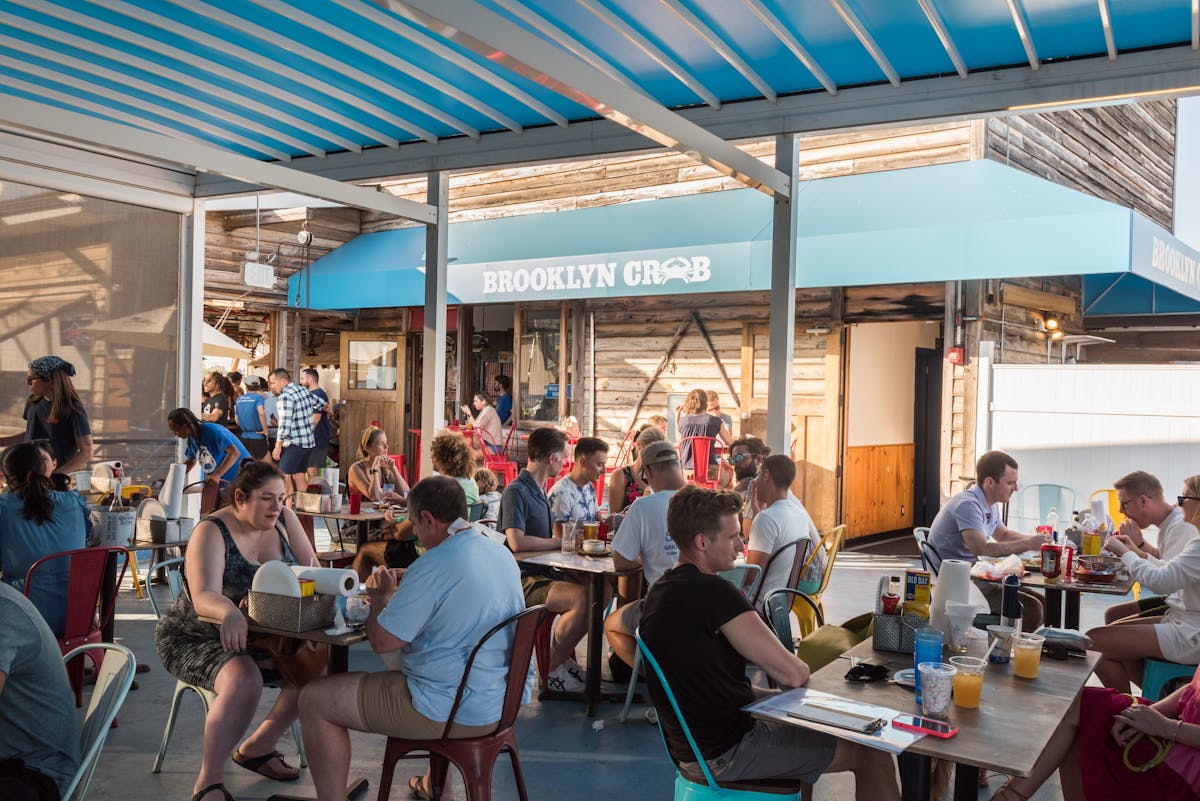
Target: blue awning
[(977, 219)]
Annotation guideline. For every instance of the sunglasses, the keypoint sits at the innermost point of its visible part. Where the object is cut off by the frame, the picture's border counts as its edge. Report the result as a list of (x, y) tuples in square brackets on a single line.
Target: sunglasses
[(1183, 498), (741, 457)]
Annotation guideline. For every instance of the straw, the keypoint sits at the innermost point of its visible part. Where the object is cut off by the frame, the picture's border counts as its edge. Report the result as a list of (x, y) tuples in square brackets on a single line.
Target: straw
[(986, 660)]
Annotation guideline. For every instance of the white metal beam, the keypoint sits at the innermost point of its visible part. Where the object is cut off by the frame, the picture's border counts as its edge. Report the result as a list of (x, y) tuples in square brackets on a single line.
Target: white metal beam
[(1196, 24), (1021, 22), (943, 35), (27, 115), (1106, 22), (656, 53), (433, 341), (782, 321), (516, 48), (784, 34), (868, 41), (723, 48)]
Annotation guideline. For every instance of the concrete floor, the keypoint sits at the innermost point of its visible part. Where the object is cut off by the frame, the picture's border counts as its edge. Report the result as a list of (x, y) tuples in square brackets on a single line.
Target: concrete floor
[(563, 754)]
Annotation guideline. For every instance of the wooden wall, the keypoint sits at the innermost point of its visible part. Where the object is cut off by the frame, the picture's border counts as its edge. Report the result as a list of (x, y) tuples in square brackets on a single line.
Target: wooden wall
[(878, 488)]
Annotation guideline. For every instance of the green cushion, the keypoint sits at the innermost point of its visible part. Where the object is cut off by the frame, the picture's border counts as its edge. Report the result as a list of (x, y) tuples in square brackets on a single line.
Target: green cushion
[(829, 642)]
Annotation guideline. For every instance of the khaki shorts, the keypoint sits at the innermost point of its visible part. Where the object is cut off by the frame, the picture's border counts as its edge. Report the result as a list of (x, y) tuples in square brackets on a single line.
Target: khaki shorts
[(536, 589), (385, 707)]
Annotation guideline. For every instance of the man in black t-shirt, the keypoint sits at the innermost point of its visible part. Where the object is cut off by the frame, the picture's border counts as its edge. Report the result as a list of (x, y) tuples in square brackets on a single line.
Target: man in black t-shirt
[(703, 631)]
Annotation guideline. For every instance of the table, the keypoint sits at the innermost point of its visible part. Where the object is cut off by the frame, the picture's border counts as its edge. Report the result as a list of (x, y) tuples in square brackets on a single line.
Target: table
[(596, 567), (990, 737), (1062, 596), (338, 517)]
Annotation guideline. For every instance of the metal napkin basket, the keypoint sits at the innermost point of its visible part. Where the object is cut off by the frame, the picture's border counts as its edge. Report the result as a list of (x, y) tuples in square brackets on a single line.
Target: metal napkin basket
[(291, 614), (894, 632)]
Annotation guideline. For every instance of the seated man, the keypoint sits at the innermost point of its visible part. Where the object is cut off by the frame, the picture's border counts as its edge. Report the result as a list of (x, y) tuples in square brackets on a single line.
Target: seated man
[(1174, 572), (573, 497), (969, 527), (782, 521), (39, 750), (526, 525), (703, 631), (462, 586), (642, 541)]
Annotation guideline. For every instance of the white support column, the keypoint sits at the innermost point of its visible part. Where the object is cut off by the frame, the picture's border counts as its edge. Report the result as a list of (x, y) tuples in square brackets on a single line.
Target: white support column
[(783, 302), (433, 370), (190, 321)]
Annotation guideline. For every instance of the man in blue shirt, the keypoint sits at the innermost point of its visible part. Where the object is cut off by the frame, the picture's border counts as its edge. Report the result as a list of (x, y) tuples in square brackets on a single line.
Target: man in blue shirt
[(250, 409), (424, 628), (504, 401), (310, 379)]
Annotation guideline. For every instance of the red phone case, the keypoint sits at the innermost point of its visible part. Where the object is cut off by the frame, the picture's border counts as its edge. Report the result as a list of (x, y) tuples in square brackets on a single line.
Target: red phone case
[(900, 724)]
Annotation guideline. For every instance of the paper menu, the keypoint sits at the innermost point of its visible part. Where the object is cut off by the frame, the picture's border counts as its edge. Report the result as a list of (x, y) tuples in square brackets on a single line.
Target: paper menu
[(776, 707)]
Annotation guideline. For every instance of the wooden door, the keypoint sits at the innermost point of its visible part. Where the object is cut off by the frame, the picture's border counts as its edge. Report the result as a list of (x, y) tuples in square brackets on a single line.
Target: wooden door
[(373, 381)]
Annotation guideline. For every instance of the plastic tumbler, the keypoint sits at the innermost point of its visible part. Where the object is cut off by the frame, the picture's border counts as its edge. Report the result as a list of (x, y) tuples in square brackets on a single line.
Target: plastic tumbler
[(937, 680), (968, 681), (355, 503), (1027, 654), (927, 648)]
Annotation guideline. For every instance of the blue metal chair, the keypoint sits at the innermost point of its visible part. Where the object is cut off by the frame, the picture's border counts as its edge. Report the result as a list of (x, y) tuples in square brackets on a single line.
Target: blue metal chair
[(1160, 677), (113, 680), (1035, 501), (777, 612), (688, 788)]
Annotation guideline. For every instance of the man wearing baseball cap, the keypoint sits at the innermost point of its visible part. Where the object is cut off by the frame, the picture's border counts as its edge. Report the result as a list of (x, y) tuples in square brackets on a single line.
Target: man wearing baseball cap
[(642, 541)]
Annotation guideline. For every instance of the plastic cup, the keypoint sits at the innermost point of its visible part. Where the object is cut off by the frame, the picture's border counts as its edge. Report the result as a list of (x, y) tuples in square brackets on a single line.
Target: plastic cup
[(937, 681), (927, 647), (968, 681), (1001, 653), (1027, 654), (355, 503)]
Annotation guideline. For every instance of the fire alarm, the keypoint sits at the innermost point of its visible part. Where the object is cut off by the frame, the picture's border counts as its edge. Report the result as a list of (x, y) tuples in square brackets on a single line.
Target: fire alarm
[(956, 355)]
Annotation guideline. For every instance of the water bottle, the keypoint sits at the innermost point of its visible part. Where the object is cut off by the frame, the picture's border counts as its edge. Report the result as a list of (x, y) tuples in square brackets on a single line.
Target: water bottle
[(1052, 523), (568, 537)]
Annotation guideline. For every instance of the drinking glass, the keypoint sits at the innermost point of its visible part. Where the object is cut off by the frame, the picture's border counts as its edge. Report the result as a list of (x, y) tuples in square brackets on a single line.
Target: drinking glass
[(937, 680), (1027, 654), (927, 648), (968, 681)]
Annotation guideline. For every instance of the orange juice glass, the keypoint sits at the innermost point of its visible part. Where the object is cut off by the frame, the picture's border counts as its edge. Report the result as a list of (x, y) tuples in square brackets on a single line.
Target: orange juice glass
[(968, 681), (1027, 654)]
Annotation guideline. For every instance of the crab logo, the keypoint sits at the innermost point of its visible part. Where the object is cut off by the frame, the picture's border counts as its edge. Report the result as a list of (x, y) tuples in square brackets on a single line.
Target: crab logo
[(651, 272)]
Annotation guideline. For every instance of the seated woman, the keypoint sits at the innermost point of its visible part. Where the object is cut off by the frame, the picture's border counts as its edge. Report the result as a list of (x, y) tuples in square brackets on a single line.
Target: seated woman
[(1173, 631), (219, 453), (225, 550), (626, 485), (374, 476), (1097, 758), (451, 457), (36, 521), (487, 420)]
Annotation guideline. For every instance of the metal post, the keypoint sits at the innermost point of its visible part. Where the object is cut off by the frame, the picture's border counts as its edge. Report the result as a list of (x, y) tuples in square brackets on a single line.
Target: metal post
[(190, 319), (433, 371), (783, 301)]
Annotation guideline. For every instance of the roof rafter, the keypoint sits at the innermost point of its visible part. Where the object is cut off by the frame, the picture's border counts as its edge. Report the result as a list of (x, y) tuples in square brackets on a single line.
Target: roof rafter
[(943, 35), (842, 7), (723, 48), (1021, 22), (784, 34)]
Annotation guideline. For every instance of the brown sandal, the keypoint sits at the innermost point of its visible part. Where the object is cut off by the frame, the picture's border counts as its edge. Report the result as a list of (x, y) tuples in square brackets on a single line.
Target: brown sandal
[(1008, 793), (259, 765)]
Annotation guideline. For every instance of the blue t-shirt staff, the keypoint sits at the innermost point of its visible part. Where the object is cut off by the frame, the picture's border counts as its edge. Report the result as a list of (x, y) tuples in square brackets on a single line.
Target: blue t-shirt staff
[(219, 453)]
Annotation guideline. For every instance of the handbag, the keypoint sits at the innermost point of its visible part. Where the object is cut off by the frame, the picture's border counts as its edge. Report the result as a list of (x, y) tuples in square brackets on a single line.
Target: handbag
[(1162, 748), (297, 661)]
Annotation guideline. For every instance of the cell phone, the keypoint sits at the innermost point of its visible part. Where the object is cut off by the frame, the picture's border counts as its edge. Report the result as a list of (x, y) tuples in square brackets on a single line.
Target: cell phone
[(931, 726)]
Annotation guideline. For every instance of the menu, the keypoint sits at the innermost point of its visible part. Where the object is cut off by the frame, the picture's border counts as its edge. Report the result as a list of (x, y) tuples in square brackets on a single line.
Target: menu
[(808, 708)]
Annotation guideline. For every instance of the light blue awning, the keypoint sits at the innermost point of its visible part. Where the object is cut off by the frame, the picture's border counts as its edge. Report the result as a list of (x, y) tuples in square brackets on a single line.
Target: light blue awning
[(968, 220)]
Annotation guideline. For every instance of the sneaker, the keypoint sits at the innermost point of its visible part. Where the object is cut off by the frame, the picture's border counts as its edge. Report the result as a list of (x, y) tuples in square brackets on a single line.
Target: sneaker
[(561, 680), (575, 669)]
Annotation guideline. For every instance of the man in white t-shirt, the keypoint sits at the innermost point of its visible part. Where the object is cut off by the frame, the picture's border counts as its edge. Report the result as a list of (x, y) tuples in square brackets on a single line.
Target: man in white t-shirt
[(642, 541), (782, 521)]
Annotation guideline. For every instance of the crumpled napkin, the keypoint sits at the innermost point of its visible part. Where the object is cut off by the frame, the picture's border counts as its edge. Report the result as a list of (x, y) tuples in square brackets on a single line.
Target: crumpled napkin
[(1009, 565)]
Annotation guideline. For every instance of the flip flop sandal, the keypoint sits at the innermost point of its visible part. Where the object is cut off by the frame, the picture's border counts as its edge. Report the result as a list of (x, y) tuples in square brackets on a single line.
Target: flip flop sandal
[(218, 786), (259, 765), (416, 788)]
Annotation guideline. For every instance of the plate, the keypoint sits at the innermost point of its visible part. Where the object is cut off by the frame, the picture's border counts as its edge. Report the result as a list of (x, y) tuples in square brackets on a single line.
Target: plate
[(906, 677)]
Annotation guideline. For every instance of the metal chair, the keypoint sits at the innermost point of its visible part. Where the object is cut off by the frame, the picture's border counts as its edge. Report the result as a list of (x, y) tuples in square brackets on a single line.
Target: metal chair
[(921, 535), (475, 511), (1036, 500), (798, 550), (830, 545), (114, 677), (475, 757), (705, 787), (1160, 677), (777, 612), (699, 453), (173, 569)]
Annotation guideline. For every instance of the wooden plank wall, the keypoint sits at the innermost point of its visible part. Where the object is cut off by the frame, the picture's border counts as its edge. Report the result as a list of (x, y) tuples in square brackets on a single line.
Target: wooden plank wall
[(1124, 153), (878, 488)]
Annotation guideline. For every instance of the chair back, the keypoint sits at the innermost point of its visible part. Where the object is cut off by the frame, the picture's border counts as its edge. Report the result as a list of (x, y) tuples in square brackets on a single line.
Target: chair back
[(518, 666), (777, 608), (930, 558), (921, 535), (625, 450), (173, 568), (401, 463), (85, 579), (831, 544), (113, 679), (1114, 505), (1035, 503), (746, 577), (475, 511), (797, 551), (700, 451)]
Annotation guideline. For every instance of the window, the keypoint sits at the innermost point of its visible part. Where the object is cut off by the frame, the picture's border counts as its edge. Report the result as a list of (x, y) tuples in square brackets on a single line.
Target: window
[(538, 371), (372, 365)]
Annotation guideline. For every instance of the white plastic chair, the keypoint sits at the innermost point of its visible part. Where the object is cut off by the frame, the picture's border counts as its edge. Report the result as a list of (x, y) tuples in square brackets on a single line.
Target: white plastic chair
[(173, 568), (1035, 502), (113, 680)]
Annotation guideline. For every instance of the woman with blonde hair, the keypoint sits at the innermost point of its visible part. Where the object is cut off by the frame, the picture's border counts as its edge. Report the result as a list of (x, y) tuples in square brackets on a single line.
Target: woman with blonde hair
[(54, 412), (375, 476), (694, 420), (625, 485)]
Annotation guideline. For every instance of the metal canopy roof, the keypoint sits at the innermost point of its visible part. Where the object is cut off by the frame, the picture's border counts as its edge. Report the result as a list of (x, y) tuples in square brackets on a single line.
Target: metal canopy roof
[(349, 89)]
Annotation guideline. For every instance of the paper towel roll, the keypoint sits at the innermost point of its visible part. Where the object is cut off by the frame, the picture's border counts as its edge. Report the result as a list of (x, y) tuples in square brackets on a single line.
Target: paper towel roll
[(276, 578), (171, 495), (953, 584), (329, 580)]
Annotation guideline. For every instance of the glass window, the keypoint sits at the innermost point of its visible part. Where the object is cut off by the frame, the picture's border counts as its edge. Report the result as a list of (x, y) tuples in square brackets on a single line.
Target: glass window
[(372, 365), (537, 372)]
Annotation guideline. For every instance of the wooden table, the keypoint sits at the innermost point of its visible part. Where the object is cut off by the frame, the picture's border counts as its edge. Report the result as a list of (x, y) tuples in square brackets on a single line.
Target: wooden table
[(1062, 596), (1006, 734), (338, 517), (596, 568)]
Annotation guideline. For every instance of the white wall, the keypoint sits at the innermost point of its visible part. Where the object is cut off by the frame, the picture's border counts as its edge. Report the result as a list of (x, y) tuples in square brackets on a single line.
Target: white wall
[(882, 374)]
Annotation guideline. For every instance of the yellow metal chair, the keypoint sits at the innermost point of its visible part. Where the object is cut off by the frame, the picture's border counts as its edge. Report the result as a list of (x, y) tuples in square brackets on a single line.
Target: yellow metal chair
[(830, 545), (1114, 511)]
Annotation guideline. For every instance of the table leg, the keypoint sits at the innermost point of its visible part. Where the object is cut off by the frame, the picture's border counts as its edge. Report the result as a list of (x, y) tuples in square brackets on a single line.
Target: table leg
[(339, 659), (1071, 617), (966, 783), (1054, 606), (914, 776), (108, 594), (594, 638)]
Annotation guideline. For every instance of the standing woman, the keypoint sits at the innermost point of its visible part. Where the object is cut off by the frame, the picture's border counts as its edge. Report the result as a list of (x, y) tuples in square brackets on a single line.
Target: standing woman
[(220, 392), (488, 421), (36, 521), (54, 412), (219, 452), (625, 485)]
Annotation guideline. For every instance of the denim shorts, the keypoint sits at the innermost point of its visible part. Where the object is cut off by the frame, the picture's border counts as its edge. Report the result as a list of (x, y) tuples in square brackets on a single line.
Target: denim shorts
[(772, 750)]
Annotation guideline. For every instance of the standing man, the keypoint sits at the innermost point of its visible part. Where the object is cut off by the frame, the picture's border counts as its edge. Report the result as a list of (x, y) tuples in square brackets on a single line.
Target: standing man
[(310, 379), (969, 527), (298, 416), (250, 409), (573, 498), (782, 521), (642, 541), (504, 399), (424, 627), (703, 632), (527, 526)]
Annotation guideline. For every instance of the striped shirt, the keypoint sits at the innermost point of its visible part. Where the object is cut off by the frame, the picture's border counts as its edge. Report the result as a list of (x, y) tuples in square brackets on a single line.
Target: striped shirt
[(295, 415)]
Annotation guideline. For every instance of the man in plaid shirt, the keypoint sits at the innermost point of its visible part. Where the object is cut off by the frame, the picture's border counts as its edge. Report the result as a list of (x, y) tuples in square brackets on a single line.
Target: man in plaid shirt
[(298, 415)]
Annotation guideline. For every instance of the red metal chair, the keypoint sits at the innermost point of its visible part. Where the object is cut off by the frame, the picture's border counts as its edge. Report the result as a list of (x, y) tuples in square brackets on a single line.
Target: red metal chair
[(701, 448), (625, 450), (85, 580), (499, 463), (475, 757), (401, 462)]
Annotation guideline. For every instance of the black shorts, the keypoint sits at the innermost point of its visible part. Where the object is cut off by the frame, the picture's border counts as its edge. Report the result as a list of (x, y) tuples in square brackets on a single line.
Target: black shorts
[(23, 783), (318, 456), (294, 460), (257, 447)]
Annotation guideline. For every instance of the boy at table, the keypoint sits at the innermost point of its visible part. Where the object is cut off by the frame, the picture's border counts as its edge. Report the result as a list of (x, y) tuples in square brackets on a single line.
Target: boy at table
[(703, 632), (424, 628)]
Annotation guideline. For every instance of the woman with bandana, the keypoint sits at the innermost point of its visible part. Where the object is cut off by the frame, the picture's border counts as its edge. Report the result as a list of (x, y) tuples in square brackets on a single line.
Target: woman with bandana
[(54, 412)]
